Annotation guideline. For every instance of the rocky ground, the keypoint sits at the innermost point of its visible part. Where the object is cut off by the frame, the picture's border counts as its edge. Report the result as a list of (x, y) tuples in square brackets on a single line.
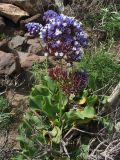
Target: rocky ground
[(18, 51)]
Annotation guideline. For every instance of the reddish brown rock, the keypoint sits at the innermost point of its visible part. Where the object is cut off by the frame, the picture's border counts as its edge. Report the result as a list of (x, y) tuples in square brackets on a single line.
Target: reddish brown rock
[(12, 12), (7, 63), (33, 41), (31, 6), (35, 46), (35, 49), (35, 18), (4, 44), (27, 59)]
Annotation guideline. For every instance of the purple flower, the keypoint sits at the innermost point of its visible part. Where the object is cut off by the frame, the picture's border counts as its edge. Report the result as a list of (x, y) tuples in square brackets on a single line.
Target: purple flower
[(73, 57), (58, 74), (63, 36), (49, 15), (33, 28), (80, 79), (76, 83), (69, 82)]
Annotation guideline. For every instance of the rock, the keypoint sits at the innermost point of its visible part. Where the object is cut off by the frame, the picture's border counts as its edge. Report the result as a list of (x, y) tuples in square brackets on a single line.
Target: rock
[(2, 24), (7, 63), (33, 41), (28, 35), (19, 32), (17, 99), (4, 45), (35, 49), (27, 59), (16, 42), (34, 46), (31, 6), (35, 18), (12, 12)]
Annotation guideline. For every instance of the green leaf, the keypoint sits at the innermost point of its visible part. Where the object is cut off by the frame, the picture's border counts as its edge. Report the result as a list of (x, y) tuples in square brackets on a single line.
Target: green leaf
[(105, 100), (52, 85), (61, 99), (40, 90), (83, 152), (56, 134), (36, 102), (64, 101), (17, 157), (107, 122), (89, 112), (20, 138), (40, 137), (50, 109), (74, 115)]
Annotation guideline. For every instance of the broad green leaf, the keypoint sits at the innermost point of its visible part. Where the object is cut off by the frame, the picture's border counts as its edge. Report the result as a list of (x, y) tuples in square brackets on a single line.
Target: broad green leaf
[(61, 99), (56, 134), (74, 115), (50, 109), (50, 84), (36, 102), (105, 100), (40, 90), (40, 137), (89, 112), (64, 101)]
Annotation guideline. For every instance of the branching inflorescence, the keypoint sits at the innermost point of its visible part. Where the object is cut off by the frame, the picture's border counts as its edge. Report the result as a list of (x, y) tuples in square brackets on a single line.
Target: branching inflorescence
[(63, 36), (70, 83), (33, 28)]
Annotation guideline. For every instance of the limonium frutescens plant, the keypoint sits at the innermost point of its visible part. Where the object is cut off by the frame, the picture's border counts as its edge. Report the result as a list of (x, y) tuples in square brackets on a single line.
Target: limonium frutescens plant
[(56, 103)]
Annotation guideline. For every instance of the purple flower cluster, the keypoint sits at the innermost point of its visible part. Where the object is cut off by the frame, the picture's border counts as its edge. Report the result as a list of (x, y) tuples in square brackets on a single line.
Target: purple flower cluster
[(49, 15), (69, 82), (33, 28), (58, 74), (63, 36), (77, 82)]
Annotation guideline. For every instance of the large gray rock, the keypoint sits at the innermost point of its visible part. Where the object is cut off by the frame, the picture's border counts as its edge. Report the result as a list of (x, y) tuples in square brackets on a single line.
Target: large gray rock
[(31, 6), (17, 41)]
